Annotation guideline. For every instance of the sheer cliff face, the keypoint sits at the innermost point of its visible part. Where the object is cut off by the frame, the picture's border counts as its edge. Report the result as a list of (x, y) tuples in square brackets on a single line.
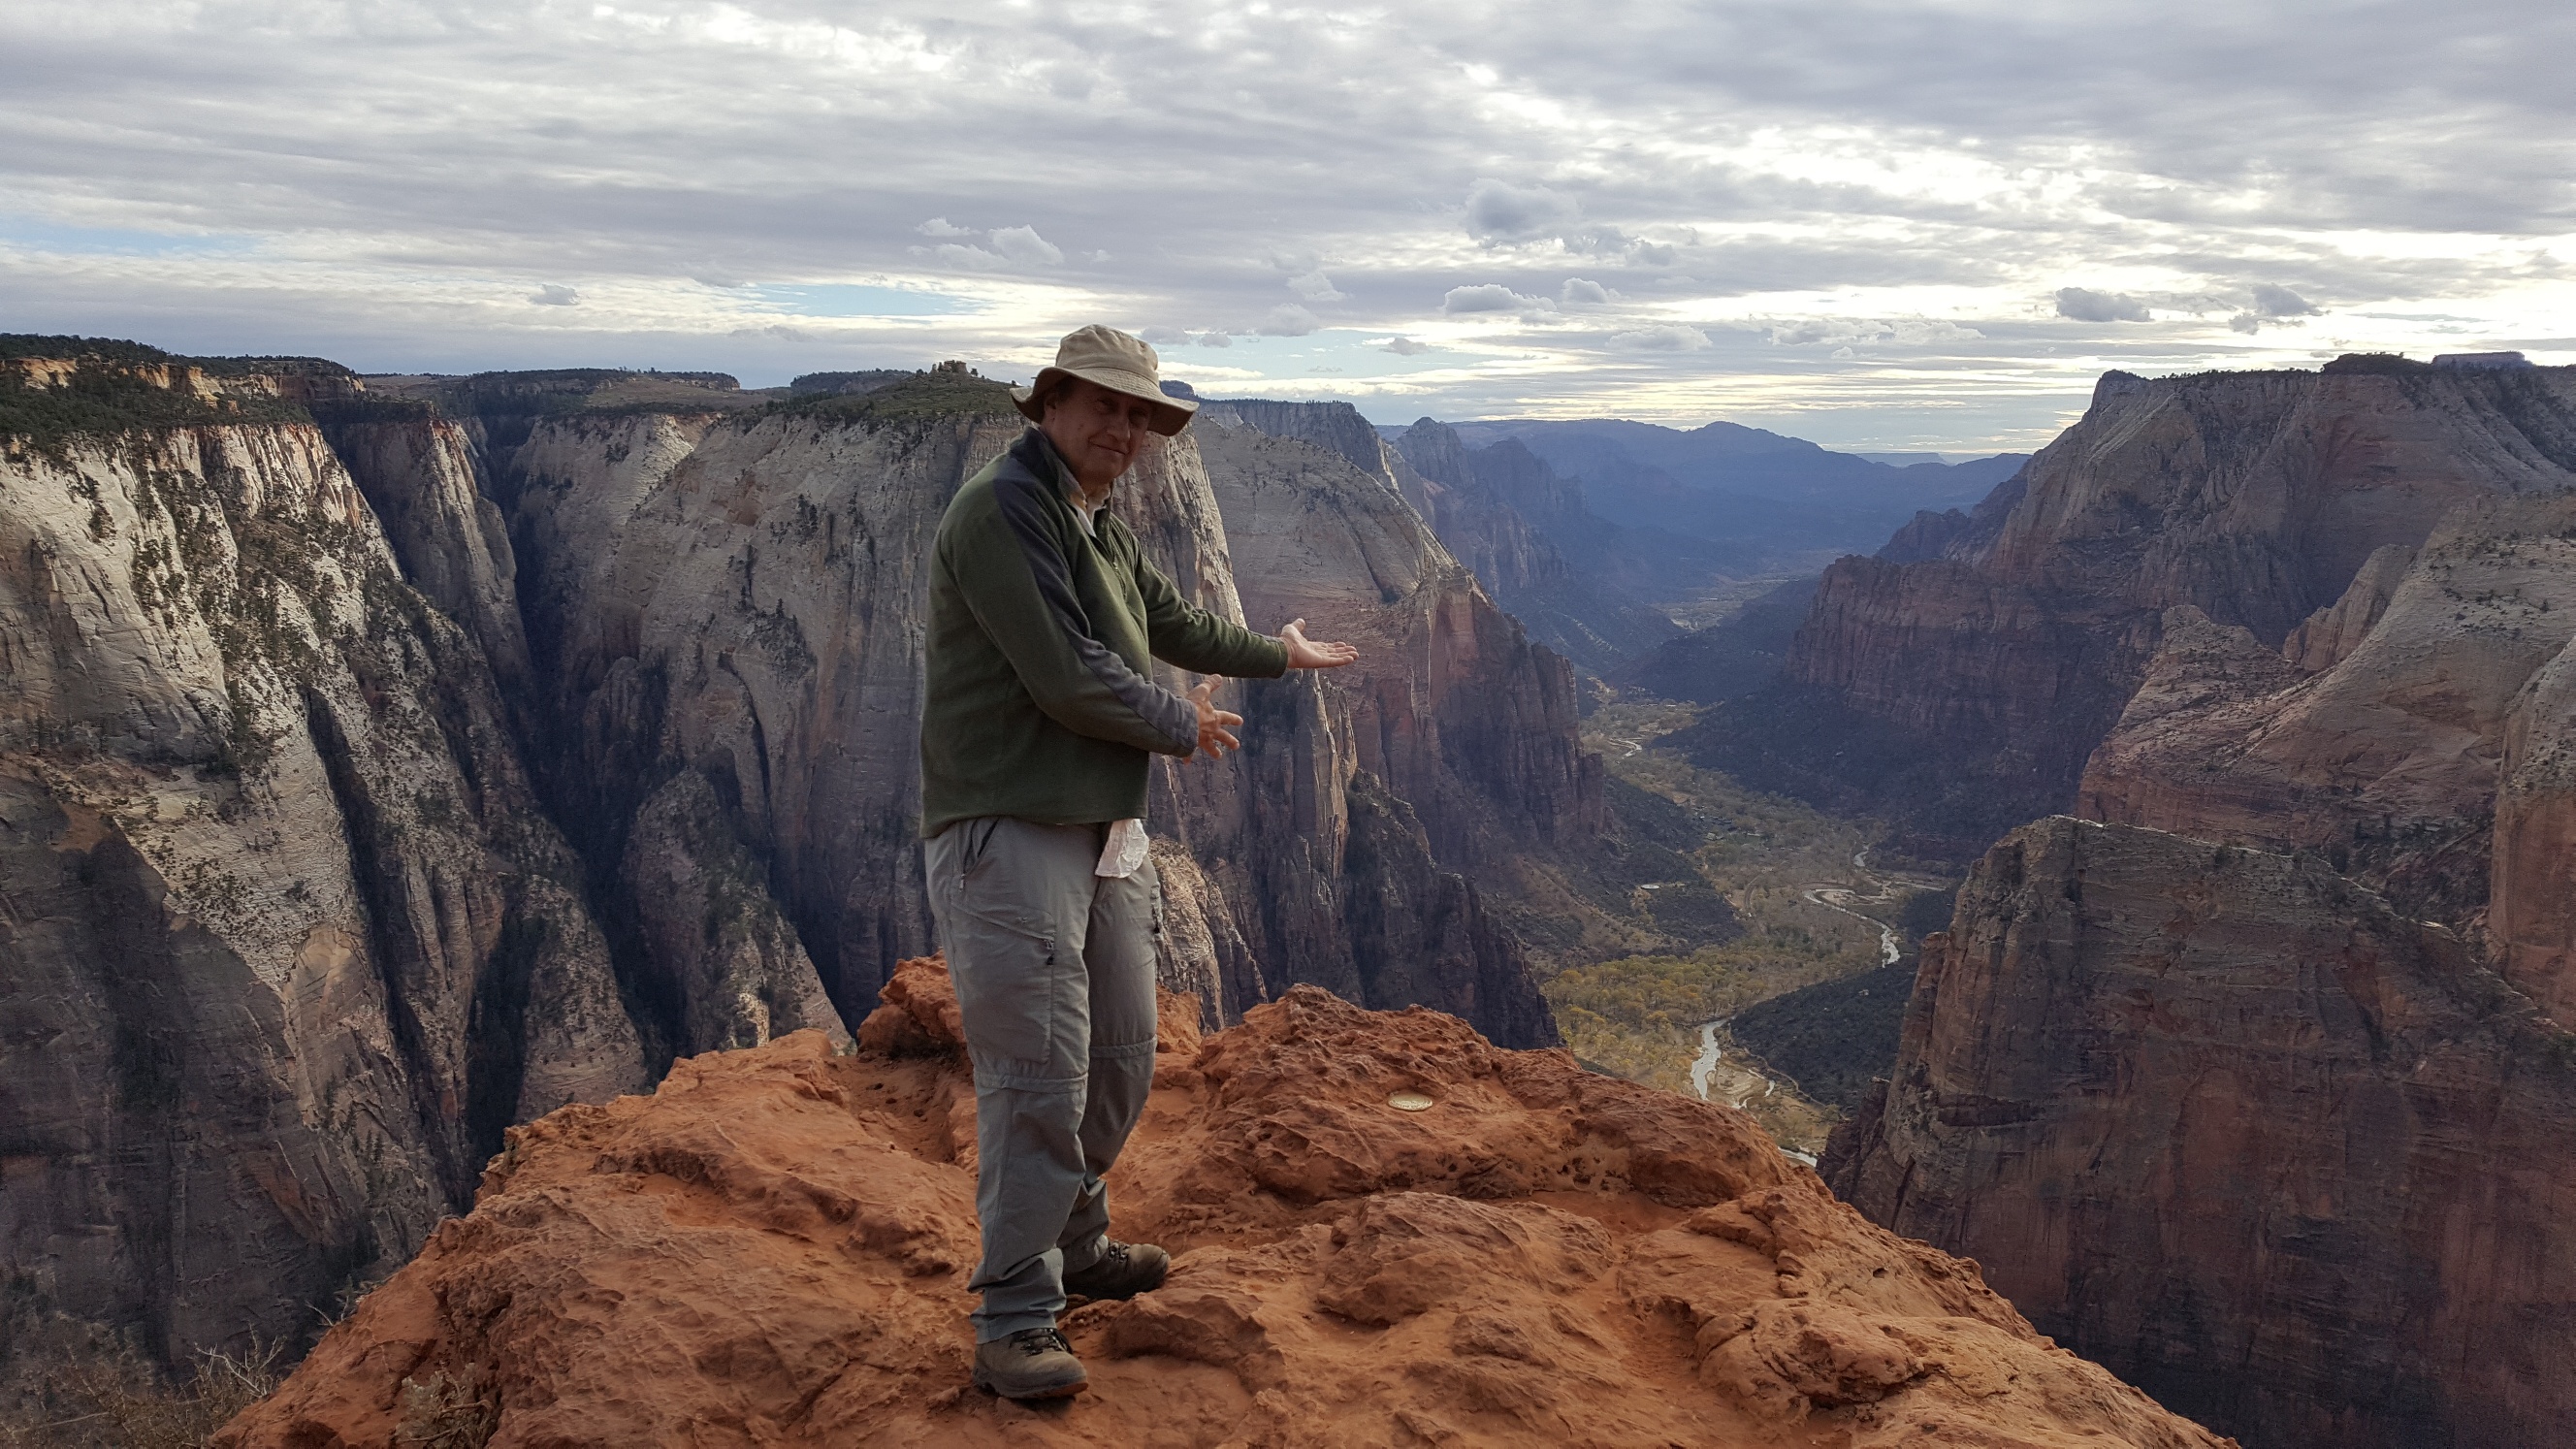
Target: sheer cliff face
[(734, 606), (726, 619), (2228, 1123), (2255, 498), (2531, 920), (289, 942), (1455, 709), (301, 678)]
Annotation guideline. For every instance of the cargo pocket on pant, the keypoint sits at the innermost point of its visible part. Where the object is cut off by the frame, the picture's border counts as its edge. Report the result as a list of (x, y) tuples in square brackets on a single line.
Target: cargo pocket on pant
[(1012, 992)]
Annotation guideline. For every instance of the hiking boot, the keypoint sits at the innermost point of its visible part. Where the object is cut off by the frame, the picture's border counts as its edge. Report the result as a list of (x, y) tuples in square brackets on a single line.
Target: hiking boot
[(1034, 1363), (1122, 1271)]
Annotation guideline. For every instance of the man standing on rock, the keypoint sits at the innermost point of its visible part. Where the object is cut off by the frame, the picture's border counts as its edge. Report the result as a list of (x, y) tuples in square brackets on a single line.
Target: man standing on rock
[(1040, 716)]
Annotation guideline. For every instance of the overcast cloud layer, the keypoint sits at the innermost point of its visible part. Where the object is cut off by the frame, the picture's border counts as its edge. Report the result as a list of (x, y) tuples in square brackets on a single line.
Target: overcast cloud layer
[(1882, 226)]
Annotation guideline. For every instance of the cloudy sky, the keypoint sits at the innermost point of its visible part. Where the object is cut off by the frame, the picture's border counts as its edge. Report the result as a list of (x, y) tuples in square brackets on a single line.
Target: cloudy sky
[(1888, 226)]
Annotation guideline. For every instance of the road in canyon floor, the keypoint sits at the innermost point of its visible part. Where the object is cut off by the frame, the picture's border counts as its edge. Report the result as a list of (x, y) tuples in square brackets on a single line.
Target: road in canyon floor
[(1735, 1083)]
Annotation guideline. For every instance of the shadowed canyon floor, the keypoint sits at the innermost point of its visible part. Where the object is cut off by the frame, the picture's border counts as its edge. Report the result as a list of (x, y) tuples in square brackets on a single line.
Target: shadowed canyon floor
[(772, 1249)]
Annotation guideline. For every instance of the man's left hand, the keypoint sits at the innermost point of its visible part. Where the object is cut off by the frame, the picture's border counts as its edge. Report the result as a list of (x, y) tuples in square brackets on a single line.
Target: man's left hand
[(1305, 653)]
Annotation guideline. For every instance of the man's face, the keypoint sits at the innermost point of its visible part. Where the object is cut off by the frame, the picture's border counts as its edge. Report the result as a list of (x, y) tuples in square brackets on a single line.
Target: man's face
[(1098, 432)]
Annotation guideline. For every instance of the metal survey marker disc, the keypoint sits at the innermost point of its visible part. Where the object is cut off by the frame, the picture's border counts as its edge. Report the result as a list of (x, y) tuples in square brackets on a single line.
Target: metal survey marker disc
[(1410, 1101)]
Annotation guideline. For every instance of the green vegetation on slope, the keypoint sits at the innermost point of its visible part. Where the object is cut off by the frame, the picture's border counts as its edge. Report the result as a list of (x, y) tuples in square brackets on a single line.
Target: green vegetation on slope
[(1639, 1015), (921, 397), (111, 394)]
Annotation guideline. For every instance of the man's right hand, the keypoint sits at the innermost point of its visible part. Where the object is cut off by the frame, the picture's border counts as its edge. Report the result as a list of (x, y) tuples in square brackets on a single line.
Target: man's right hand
[(1214, 738)]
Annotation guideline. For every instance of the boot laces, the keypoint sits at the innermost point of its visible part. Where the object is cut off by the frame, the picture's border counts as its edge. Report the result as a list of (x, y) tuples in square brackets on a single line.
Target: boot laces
[(1035, 1341)]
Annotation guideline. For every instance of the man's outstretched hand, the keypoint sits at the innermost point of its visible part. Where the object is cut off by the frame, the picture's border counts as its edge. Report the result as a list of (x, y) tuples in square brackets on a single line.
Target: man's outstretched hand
[(1214, 738), (1305, 653), (1217, 726)]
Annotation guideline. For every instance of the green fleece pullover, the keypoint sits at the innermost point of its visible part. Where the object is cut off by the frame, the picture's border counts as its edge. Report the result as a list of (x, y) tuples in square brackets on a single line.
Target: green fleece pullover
[(1039, 700)]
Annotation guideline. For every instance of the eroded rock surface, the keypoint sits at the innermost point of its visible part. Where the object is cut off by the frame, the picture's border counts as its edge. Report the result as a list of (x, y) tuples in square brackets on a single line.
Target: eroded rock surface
[(772, 1249), (288, 942), (739, 598), (2388, 760), (2225, 1121)]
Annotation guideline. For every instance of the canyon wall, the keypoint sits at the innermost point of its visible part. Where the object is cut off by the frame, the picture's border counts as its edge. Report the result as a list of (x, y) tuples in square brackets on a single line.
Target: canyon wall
[(2388, 760), (2225, 1121), (288, 942), (738, 598), (383, 767), (1962, 690)]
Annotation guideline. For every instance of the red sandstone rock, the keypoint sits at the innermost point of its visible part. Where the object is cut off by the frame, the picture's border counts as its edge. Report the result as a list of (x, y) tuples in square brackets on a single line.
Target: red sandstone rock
[(772, 1249), (2531, 919), (2228, 1123)]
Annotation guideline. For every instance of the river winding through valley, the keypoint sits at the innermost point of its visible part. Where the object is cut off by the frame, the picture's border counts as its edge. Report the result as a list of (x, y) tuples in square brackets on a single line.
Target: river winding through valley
[(1741, 1084)]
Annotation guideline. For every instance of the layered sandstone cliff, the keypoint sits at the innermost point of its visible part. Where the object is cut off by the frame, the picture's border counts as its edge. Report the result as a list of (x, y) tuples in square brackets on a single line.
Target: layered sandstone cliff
[(303, 676), (1963, 690), (2225, 1121), (737, 599), (288, 941), (2388, 760), (772, 1249)]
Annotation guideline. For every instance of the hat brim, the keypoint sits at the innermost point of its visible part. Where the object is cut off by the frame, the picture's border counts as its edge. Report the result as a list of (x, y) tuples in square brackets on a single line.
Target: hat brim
[(1171, 414)]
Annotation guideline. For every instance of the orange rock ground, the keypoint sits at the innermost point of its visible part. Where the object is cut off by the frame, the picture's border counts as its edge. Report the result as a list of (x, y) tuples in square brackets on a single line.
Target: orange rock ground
[(772, 1249)]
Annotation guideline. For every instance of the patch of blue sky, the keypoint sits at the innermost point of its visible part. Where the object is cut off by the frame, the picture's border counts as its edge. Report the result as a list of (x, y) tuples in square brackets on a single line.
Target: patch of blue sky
[(854, 299), (37, 234)]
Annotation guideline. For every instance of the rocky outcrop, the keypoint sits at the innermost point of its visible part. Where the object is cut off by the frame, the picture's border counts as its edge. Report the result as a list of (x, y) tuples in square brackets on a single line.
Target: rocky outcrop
[(288, 941), (2225, 1121), (2388, 760), (773, 1248), (1965, 691)]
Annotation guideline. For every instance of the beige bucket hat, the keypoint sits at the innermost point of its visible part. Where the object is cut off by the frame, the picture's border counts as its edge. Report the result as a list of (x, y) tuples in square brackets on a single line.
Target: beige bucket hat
[(1117, 362)]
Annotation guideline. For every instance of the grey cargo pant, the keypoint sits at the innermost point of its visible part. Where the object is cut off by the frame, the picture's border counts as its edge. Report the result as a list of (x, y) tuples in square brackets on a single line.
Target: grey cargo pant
[(1054, 968)]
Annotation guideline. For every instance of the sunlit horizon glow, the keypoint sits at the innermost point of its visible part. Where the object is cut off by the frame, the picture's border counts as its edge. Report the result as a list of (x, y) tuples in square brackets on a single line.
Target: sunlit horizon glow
[(1926, 227)]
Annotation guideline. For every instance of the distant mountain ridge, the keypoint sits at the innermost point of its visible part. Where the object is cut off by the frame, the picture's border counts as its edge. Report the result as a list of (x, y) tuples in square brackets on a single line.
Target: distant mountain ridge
[(1731, 483)]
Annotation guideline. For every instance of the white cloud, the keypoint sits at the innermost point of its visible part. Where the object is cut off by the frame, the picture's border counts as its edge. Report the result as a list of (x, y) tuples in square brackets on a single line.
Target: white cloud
[(1491, 297), (1405, 346), (1215, 339), (550, 294), (2272, 301), (1023, 245), (2085, 305), (243, 176), (1498, 211), (1289, 320), (1579, 293), (1314, 286), (960, 254), (1670, 337), (1848, 331)]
